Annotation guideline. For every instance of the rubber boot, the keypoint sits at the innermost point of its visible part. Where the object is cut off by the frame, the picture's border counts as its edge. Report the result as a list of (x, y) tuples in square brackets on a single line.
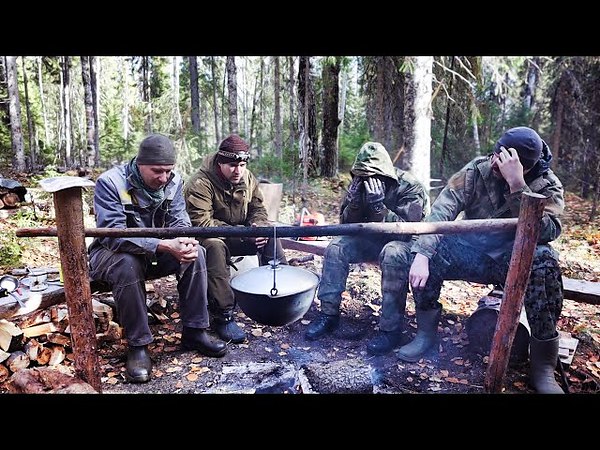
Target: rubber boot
[(139, 364), (227, 329), (385, 341), (322, 325), (199, 340), (543, 356), (426, 338)]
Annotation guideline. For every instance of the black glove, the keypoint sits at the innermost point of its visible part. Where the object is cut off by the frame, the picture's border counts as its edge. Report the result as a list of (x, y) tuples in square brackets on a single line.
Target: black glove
[(355, 191), (375, 190)]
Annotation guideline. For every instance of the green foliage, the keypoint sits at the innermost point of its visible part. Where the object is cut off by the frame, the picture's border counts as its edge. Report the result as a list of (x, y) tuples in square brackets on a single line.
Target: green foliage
[(10, 250), (275, 169)]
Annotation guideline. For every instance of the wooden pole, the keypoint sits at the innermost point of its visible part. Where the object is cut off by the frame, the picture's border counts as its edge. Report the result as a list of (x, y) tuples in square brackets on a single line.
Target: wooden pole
[(399, 228), (73, 256), (528, 231)]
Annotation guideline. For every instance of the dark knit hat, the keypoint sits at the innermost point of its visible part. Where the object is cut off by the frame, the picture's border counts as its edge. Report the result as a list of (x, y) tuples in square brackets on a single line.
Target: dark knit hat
[(156, 149), (233, 149), (525, 141)]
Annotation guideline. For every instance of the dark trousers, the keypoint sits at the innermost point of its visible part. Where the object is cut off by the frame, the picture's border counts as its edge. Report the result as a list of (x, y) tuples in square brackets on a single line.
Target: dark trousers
[(127, 273), (218, 254), (457, 260)]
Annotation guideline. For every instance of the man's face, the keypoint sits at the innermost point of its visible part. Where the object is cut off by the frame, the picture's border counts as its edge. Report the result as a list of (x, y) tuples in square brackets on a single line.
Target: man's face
[(233, 171), (155, 177)]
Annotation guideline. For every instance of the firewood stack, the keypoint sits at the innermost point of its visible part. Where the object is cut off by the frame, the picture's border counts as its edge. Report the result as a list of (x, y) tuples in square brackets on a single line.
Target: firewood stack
[(42, 337)]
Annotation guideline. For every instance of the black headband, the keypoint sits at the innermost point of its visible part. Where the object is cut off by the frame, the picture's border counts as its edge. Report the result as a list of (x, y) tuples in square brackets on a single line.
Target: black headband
[(238, 157)]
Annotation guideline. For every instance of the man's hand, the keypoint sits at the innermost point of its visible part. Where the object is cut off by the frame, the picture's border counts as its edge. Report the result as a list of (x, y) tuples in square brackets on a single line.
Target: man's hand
[(375, 190), (511, 168), (354, 191), (419, 272), (184, 249), (260, 241)]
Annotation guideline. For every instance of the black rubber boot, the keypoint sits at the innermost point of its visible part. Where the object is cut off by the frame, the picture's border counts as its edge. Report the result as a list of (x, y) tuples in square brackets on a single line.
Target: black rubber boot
[(199, 340), (426, 338), (543, 356), (227, 329), (139, 364), (385, 341), (322, 325)]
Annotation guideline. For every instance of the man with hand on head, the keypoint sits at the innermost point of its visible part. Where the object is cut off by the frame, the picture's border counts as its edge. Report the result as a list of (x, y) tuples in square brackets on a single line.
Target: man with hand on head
[(379, 192), (146, 193), (491, 187), (223, 192)]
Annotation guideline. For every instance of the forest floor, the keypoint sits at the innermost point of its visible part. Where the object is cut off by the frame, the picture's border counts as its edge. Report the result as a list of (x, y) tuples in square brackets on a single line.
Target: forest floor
[(281, 360)]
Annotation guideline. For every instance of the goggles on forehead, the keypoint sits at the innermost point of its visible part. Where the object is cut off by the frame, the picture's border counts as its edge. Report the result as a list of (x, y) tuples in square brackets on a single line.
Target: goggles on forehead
[(238, 157)]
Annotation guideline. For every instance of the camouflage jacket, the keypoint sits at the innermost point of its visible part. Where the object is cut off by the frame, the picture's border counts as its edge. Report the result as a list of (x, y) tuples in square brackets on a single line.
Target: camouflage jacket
[(476, 193)]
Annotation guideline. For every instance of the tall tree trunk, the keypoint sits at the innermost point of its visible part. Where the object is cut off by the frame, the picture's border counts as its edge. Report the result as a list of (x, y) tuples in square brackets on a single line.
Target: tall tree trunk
[(195, 96), (232, 94), (31, 131), (343, 95), (146, 95), (277, 107), (331, 120), (43, 102), (14, 109), (178, 127), (215, 106), (419, 153), (124, 70), (444, 150), (291, 91), (66, 83), (94, 72), (303, 68), (89, 111), (254, 115)]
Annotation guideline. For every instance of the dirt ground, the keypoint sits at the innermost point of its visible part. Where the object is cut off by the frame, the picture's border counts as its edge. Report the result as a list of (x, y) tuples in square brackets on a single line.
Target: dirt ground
[(280, 360)]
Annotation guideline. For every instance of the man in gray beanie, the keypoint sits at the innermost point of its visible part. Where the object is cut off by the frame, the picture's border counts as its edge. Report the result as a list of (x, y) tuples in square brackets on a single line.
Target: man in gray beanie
[(491, 187), (146, 193)]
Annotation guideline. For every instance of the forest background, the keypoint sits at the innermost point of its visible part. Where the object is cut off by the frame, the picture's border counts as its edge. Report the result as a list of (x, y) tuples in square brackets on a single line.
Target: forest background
[(305, 117)]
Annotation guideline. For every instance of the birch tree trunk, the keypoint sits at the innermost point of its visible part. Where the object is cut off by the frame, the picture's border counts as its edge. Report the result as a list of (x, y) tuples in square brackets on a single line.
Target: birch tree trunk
[(277, 107), (331, 120), (66, 102), (303, 119), (43, 101), (94, 73), (31, 130), (89, 111), (124, 71), (232, 94), (420, 152), (14, 110), (178, 126)]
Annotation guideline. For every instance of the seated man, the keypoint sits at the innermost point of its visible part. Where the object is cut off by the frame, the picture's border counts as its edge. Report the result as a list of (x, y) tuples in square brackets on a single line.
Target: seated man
[(223, 192), (379, 192), (491, 187), (146, 193)]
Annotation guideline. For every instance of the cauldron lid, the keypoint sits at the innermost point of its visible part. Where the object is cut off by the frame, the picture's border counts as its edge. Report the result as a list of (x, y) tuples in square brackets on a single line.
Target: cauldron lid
[(289, 280)]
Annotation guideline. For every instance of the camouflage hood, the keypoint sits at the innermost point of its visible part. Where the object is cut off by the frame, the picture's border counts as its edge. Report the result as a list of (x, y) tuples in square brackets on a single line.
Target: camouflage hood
[(373, 159)]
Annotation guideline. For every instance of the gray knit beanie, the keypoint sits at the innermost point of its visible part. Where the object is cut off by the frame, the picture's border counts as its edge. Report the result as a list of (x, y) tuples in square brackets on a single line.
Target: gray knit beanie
[(156, 149)]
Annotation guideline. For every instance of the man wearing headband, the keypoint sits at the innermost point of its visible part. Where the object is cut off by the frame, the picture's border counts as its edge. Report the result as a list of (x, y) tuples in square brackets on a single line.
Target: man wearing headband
[(491, 187), (223, 192)]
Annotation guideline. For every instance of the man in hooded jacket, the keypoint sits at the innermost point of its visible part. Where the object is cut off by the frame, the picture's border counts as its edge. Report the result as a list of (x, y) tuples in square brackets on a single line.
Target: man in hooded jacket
[(379, 192), (485, 188)]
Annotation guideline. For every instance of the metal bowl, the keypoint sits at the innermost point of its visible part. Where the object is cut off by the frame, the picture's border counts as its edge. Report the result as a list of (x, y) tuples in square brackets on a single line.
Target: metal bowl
[(275, 295)]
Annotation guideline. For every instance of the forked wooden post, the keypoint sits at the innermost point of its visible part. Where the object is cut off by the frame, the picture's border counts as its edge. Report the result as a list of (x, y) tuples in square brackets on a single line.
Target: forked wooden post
[(528, 231), (74, 262)]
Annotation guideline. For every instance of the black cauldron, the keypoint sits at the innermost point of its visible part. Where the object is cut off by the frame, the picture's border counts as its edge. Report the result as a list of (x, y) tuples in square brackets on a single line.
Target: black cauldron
[(275, 295)]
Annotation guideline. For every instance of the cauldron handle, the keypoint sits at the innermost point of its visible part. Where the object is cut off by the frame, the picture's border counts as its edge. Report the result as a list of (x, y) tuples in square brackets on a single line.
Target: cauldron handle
[(274, 265)]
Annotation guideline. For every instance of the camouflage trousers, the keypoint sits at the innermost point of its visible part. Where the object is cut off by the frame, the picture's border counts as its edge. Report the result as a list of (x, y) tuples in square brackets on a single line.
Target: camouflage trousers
[(390, 254), (457, 260)]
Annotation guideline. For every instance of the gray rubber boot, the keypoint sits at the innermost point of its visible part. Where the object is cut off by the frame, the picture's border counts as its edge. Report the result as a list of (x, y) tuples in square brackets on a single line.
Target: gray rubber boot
[(426, 338), (543, 356)]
